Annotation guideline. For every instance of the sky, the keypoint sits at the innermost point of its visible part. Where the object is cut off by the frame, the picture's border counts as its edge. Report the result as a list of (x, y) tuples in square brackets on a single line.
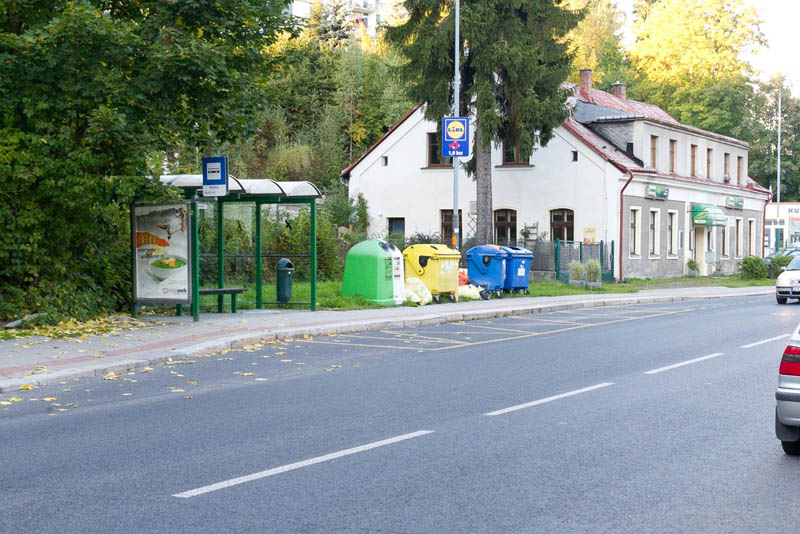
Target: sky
[(781, 30)]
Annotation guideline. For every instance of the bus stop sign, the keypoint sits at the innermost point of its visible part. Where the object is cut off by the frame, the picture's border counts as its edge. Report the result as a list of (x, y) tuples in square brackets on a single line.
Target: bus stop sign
[(215, 177)]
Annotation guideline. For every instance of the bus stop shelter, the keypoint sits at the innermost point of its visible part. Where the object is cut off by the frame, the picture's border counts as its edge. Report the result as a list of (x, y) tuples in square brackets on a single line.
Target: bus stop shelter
[(258, 192)]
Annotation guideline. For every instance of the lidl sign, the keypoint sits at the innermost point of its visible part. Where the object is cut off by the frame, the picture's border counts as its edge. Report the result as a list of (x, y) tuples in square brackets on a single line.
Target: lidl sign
[(455, 137)]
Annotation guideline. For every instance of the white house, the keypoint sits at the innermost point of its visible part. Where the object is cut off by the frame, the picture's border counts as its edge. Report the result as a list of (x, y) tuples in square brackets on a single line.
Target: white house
[(616, 170), (366, 12)]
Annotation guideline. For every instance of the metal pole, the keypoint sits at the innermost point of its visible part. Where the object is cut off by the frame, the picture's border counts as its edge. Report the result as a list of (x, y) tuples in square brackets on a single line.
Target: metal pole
[(195, 255), (220, 253), (456, 90), (259, 266), (313, 254), (779, 166)]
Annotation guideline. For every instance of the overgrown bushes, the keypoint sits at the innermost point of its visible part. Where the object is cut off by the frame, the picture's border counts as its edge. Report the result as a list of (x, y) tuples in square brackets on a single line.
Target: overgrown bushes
[(752, 268)]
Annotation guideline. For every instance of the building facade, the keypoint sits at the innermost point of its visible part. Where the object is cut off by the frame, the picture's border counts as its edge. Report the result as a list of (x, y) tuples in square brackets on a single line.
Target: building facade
[(616, 170), (366, 12), (782, 229)]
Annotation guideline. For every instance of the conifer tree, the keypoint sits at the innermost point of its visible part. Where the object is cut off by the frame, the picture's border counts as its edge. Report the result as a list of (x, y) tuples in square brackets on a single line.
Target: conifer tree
[(514, 59)]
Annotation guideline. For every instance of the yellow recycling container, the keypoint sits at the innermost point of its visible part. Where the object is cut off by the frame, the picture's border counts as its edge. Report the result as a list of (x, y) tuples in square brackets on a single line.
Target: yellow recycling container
[(436, 266)]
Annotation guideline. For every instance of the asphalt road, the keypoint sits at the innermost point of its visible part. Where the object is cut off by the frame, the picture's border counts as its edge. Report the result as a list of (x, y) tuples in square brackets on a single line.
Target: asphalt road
[(651, 418)]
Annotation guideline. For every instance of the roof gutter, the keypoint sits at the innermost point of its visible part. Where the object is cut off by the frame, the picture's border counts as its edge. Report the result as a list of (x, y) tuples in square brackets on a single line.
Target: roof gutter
[(621, 213)]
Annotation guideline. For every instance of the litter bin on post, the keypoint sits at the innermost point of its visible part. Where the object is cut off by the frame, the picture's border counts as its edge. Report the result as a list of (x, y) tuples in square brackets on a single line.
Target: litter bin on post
[(436, 266), (373, 269), (486, 267), (283, 290), (518, 269)]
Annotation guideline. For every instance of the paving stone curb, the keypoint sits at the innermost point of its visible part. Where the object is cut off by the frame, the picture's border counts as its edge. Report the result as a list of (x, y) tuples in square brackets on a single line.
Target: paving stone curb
[(347, 327)]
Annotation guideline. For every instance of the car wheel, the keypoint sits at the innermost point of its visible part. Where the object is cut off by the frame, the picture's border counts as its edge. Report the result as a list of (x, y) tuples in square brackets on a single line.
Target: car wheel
[(781, 300), (791, 448)]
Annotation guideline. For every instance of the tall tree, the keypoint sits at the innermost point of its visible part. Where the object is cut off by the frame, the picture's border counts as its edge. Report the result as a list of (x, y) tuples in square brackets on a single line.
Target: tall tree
[(596, 43), (691, 57), (88, 89), (514, 58)]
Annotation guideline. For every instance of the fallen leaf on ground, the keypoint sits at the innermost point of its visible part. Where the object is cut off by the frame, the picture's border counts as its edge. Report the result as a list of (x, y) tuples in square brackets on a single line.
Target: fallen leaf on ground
[(111, 376), (26, 387), (49, 399)]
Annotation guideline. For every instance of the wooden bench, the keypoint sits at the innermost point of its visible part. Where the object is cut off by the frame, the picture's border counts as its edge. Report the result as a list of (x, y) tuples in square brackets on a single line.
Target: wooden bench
[(221, 292)]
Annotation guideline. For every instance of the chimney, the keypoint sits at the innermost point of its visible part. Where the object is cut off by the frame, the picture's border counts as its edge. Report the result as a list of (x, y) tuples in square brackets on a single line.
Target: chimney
[(586, 80), (619, 90)]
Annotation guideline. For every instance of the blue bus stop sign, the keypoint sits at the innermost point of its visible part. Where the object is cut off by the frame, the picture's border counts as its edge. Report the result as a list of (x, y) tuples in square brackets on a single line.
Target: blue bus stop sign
[(455, 137), (215, 177)]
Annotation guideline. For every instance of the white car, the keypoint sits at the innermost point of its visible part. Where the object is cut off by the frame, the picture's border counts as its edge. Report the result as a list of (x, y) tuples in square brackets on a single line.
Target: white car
[(787, 286)]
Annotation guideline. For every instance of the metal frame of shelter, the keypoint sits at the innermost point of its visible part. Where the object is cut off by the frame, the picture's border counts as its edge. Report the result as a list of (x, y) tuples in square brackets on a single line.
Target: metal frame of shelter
[(259, 192)]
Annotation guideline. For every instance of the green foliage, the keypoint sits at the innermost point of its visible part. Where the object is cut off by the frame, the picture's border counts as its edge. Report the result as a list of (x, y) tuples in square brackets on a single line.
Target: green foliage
[(593, 270), (692, 265), (752, 268), (89, 91), (777, 263), (576, 270)]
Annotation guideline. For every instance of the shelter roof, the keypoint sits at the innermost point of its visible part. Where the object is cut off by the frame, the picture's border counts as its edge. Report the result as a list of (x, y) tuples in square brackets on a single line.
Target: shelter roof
[(254, 188)]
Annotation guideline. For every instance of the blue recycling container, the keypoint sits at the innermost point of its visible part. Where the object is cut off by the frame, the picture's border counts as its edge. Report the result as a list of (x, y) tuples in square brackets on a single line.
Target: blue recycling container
[(518, 269), (486, 266)]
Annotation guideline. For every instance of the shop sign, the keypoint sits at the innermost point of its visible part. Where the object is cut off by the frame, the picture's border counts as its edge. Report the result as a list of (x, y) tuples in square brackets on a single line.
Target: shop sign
[(657, 192)]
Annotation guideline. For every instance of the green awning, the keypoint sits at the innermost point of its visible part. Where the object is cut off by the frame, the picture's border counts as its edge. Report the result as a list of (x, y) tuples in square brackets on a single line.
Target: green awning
[(708, 215)]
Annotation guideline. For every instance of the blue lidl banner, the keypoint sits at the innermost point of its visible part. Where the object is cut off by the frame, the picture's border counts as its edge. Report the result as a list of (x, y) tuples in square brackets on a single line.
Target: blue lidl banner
[(215, 177), (455, 137)]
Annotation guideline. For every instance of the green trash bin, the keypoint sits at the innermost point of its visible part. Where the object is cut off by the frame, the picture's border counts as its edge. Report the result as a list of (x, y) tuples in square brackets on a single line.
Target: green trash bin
[(284, 280), (373, 269)]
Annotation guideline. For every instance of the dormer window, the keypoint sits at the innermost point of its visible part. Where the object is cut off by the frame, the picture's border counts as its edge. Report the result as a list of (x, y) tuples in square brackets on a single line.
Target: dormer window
[(653, 150), (709, 157)]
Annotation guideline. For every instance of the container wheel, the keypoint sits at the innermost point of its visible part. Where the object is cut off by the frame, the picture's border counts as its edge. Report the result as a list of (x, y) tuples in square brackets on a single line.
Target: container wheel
[(437, 299)]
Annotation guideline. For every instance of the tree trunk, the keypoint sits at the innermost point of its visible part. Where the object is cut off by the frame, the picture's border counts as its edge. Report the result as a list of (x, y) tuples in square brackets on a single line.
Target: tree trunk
[(484, 233)]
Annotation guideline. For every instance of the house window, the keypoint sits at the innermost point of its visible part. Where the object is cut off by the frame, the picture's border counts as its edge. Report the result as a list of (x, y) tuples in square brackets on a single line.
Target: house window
[(511, 156), (694, 160), (653, 150), (724, 236), (710, 239), (562, 223), (574, 155), (505, 227), (739, 170), (739, 250), (672, 233), (634, 237), (709, 157), (397, 225), (727, 171), (384, 161), (655, 222), (751, 235), (447, 226), (435, 158), (672, 147)]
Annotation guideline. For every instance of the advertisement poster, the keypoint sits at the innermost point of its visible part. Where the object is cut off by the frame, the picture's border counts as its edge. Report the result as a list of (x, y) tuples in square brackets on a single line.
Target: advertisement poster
[(161, 253)]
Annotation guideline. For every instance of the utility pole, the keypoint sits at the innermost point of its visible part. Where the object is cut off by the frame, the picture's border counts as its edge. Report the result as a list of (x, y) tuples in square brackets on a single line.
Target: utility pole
[(779, 167), (456, 90)]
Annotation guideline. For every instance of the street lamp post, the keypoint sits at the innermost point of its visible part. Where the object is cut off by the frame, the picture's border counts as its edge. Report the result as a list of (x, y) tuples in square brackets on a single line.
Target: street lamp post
[(456, 90)]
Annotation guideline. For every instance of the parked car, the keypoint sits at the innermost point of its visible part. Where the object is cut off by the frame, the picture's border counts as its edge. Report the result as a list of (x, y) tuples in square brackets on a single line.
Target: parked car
[(783, 252), (787, 285), (787, 397)]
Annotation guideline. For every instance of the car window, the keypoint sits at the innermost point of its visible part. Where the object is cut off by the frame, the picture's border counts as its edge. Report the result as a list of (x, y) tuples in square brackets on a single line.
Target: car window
[(794, 265)]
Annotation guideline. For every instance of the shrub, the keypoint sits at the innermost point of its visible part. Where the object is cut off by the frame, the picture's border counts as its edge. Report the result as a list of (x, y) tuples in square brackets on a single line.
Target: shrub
[(692, 265), (778, 263), (752, 268), (593, 270), (576, 270)]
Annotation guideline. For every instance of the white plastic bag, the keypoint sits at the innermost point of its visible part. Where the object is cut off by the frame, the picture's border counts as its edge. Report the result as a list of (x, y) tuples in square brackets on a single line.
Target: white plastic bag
[(469, 291), (417, 293)]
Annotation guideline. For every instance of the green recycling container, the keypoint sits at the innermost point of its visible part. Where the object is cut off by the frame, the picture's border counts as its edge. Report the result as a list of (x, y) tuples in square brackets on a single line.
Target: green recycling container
[(373, 269), (285, 270)]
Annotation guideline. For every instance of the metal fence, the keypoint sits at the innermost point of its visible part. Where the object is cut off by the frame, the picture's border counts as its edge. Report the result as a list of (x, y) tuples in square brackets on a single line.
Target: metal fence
[(567, 251), (544, 254)]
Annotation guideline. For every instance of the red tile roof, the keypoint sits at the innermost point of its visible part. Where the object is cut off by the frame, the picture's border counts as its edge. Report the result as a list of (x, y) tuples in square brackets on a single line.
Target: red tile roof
[(650, 111)]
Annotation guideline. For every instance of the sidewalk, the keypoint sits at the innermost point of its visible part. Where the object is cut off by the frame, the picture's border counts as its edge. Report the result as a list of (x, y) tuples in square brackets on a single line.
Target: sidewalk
[(39, 361)]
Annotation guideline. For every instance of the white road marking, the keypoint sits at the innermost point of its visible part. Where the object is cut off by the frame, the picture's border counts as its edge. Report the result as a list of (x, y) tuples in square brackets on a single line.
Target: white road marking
[(298, 465), (550, 399), (757, 343), (667, 368)]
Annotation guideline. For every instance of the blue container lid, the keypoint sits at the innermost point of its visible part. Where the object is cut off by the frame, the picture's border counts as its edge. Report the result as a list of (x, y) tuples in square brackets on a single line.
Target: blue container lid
[(487, 250), (518, 252)]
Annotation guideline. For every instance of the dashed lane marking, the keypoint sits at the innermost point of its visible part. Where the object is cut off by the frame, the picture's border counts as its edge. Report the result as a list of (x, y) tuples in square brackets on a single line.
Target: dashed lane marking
[(549, 399)]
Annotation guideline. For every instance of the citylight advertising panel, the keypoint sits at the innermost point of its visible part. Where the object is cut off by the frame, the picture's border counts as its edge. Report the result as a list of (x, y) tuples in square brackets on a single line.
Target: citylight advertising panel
[(161, 255)]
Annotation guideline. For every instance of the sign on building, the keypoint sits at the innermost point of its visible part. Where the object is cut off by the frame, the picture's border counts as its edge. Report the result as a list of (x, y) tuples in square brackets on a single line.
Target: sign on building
[(657, 192), (161, 254)]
